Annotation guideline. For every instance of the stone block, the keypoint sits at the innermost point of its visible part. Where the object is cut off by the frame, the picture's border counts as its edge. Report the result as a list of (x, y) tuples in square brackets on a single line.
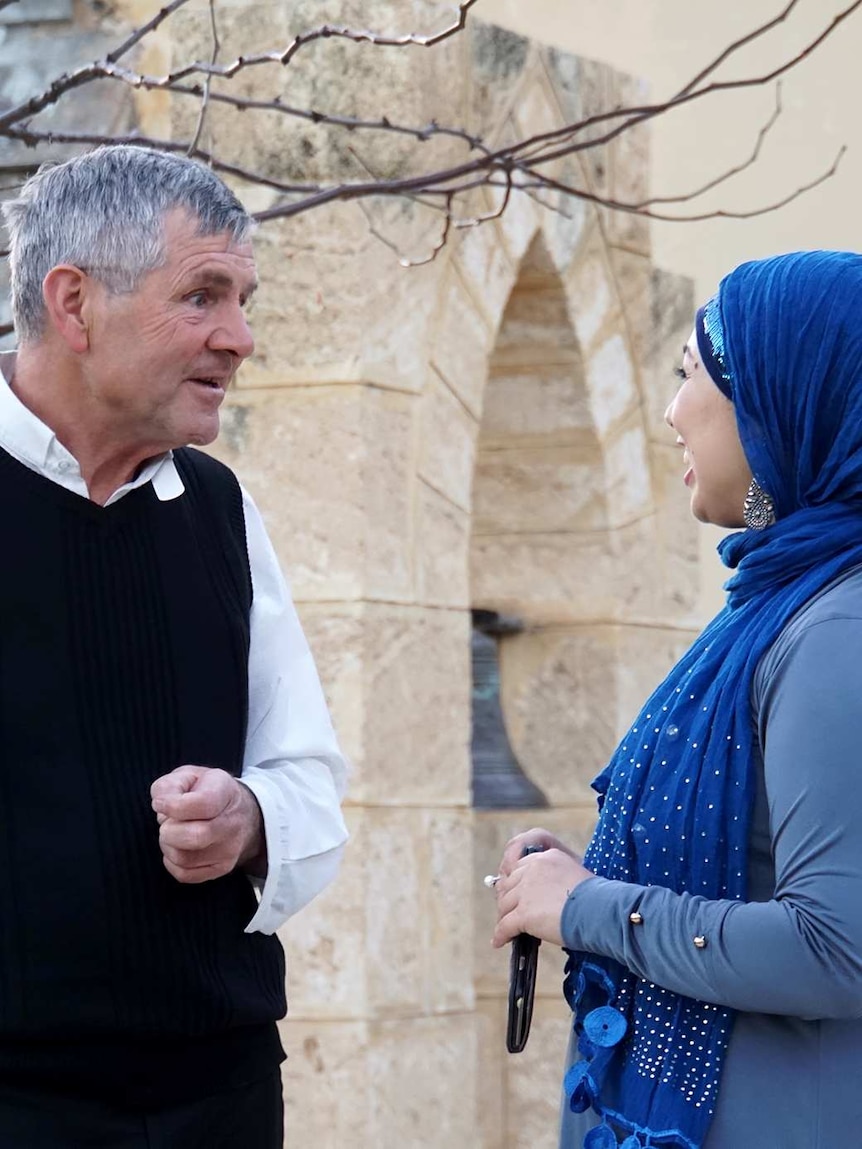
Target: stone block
[(543, 404), (678, 538), (491, 1080), (335, 634), (536, 112), (522, 217), (393, 937), (493, 829), (583, 577), (537, 326), (326, 944), (447, 442), (446, 908), (441, 550), (539, 488), (646, 655), (611, 382), (671, 319), (327, 1089), (590, 290), (567, 217), (558, 689), (399, 682), (422, 1077), (633, 274), (461, 345), (499, 60), (327, 291), (628, 475), (564, 71), (485, 264), (394, 897), (417, 707), (563, 214), (534, 1079), (330, 469), (630, 169), (421, 85), (598, 95)]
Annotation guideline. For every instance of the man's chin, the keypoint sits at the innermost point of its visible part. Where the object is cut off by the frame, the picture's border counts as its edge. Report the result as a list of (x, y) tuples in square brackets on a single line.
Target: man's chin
[(202, 436)]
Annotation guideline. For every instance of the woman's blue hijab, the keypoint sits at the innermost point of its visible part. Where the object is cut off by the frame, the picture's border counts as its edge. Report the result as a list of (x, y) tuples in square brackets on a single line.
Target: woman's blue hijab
[(787, 332)]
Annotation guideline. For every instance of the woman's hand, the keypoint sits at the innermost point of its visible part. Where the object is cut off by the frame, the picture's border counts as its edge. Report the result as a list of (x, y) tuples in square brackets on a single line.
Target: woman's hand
[(537, 837), (532, 892)]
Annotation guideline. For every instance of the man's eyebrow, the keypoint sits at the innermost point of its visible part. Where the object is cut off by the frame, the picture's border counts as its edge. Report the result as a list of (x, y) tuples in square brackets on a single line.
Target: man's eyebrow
[(221, 279)]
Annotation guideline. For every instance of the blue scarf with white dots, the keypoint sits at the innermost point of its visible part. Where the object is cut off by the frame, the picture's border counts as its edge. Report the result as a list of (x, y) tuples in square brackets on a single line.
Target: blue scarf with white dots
[(675, 800)]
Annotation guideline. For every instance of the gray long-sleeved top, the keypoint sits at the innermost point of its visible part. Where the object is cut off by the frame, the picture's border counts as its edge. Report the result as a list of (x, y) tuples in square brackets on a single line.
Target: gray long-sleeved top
[(789, 959)]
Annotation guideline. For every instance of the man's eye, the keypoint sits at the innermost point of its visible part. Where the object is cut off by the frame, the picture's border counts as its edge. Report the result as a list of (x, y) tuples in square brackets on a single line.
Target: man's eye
[(198, 298)]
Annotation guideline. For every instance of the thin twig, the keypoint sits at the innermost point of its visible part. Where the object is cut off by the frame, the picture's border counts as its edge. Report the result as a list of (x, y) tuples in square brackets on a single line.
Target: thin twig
[(544, 183), (735, 46), (144, 30), (205, 97), (478, 220), (730, 172), (422, 133)]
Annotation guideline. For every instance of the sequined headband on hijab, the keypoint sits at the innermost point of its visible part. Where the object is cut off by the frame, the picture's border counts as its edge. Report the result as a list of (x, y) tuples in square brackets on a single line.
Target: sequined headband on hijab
[(709, 331)]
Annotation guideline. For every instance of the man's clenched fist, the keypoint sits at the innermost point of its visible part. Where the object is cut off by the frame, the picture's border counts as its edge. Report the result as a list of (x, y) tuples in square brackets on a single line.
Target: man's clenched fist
[(209, 823)]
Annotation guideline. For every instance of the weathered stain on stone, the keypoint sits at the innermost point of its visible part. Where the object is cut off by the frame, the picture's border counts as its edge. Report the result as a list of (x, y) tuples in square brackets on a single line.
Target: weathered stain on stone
[(497, 50), (234, 426)]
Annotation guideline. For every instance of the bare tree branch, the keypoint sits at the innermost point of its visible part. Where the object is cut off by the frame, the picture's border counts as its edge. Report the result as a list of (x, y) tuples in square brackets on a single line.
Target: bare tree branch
[(634, 116), (145, 30), (205, 95), (735, 46), (109, 68), (730, 172), (522, 165)]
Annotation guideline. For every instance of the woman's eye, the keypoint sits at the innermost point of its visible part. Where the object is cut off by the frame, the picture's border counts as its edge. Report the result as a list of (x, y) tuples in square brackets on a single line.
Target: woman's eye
[(680, 373)]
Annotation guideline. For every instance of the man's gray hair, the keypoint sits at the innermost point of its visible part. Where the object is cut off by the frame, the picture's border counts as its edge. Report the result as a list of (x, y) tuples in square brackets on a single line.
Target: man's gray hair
[(105, 213)]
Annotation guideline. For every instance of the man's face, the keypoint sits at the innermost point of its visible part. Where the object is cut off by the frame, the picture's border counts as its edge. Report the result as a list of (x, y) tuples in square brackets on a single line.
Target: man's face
[(160, 358)]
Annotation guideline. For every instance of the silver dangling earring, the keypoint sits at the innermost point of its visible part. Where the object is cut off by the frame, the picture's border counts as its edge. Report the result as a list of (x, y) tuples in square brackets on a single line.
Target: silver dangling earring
[(758, 510)]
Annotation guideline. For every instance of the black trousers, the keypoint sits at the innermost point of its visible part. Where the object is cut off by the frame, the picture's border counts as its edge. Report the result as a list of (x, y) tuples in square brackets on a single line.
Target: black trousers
[(248, 1118)]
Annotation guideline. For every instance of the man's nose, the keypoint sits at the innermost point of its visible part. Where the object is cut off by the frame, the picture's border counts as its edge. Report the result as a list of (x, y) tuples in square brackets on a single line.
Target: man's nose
[(232, 333)]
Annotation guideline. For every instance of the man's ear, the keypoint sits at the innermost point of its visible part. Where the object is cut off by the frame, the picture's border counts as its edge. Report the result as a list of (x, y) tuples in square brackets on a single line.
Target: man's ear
[(67, 292)]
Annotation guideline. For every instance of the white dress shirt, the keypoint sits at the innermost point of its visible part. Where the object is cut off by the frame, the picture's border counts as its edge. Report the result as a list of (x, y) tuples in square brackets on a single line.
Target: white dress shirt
[(292, 762)]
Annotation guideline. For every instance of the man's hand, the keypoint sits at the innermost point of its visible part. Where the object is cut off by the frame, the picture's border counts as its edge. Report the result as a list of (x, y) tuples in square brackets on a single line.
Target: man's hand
[(209, 824), (531, 896)]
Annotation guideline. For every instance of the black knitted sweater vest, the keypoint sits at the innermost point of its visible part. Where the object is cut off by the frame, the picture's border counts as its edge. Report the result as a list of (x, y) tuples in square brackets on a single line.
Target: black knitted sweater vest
[(124, 636)]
